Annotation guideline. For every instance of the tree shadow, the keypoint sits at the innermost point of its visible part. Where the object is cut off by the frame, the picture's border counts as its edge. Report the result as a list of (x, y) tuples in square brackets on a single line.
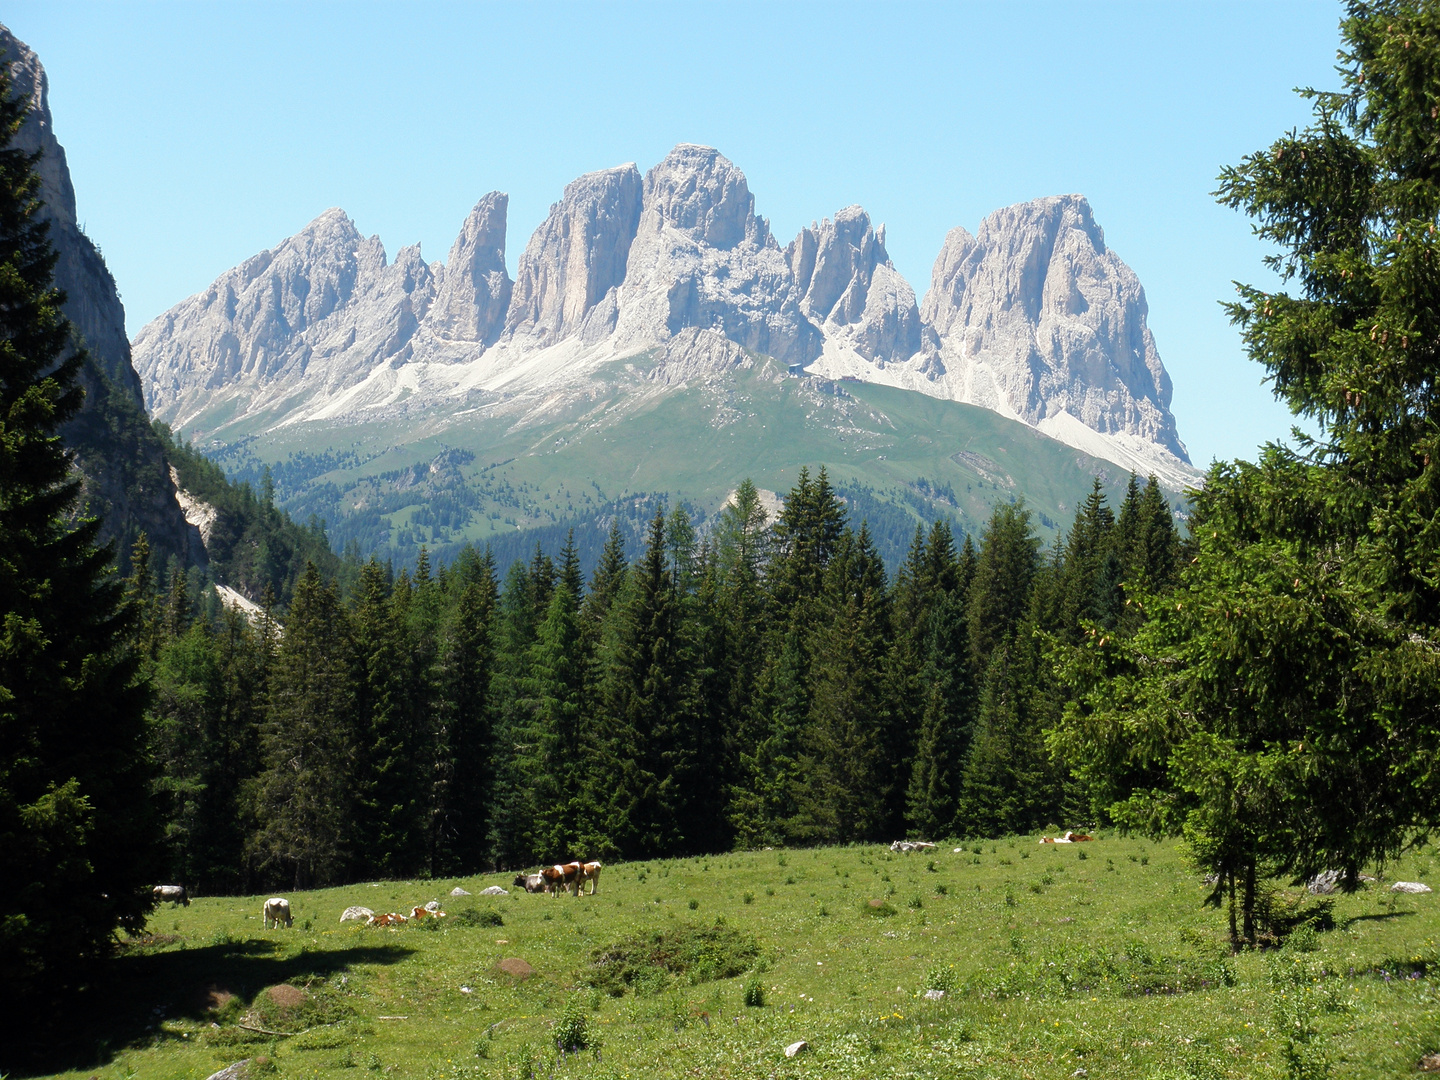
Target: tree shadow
[(143, 986), (1381, 917)]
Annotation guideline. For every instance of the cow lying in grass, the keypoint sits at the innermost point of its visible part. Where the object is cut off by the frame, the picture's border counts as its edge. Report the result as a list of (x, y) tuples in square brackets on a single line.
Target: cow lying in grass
[(1068, 838)]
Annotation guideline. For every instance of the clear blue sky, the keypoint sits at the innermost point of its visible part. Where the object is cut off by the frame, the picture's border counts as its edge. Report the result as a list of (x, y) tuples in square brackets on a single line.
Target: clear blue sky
[(201, 133)]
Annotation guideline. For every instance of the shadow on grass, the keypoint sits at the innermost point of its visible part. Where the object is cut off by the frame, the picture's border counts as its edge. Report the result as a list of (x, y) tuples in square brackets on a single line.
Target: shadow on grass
[(144, 986), (1380, 917)]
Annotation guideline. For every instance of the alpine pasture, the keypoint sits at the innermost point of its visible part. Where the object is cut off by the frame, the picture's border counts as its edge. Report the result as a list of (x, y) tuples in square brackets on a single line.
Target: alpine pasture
[(1095, 960)]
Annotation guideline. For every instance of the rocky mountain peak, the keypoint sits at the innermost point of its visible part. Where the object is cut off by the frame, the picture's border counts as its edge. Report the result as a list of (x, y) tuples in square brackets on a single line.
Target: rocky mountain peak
[(474, 295), (700, 192)]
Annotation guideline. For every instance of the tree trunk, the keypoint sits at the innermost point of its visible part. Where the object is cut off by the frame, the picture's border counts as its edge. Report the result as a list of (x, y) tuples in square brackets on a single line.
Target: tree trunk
[(1250, 902), (1234, 937)]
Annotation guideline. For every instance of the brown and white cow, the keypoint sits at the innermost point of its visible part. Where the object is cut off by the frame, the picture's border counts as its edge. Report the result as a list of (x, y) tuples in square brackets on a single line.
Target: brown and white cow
[(561, 876), (590, 872)]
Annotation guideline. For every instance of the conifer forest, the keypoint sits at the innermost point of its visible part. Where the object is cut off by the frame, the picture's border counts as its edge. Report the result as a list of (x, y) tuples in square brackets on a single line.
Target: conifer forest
[(763, 683)]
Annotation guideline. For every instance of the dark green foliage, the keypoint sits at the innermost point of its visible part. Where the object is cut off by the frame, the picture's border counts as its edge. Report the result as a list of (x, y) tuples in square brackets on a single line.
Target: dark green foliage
[(471, 917), (651, 961), (78, 840)]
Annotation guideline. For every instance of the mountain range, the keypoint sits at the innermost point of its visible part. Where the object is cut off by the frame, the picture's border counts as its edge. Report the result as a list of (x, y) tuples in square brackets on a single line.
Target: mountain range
[(656, 343)]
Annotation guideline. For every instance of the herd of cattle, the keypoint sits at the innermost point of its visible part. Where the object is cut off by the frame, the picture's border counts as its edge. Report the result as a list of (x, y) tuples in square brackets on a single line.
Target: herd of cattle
[(569, 877)]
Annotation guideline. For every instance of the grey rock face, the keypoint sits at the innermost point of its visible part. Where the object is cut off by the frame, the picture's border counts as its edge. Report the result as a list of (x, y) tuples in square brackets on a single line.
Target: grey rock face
[(318, 312), (474, 295), (702, 258), (119, 456), (850, 289), (1037, 316), (577, 256)]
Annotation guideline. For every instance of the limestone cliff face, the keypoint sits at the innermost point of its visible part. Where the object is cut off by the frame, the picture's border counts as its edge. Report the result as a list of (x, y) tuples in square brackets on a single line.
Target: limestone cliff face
[(576, 258), (1036, 315), (126, 478), (1032, 316), (851, 290)]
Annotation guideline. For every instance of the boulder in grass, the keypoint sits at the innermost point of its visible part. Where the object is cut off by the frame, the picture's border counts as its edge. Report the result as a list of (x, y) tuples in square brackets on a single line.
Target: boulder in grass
[(796, 1047), (231, 1072), (1324, 883), (433, 907), (356, 914), (494, 890), (458, 891), (1410, 887), (934, 995)]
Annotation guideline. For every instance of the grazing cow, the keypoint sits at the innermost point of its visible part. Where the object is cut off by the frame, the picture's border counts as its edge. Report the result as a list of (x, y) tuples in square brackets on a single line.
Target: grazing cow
[(276, 911), (531, 883), (590, 872), (174, 893), (561, 876)]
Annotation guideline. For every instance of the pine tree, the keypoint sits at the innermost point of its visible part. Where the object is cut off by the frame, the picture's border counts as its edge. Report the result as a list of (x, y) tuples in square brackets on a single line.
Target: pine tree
[(556, 771), (79, 834), (1004, 572)]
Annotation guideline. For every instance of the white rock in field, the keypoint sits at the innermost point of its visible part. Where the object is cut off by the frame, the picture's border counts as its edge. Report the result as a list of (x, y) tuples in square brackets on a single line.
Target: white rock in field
[(934, 995), (1324, 883), (795, 1048), (1410, 887), (353, 914), (494, 890), (231, 1072), (458, 891)]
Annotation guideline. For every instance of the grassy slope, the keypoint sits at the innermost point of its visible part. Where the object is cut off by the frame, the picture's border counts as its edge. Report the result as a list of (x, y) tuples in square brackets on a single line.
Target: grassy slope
[(694, 443), (846, 981)]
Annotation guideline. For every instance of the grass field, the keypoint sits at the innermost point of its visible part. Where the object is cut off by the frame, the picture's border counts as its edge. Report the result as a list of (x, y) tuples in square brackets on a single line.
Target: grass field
[(1055, 960)]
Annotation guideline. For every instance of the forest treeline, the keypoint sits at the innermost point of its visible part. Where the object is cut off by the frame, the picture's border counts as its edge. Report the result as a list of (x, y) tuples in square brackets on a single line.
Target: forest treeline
[(762, 683)]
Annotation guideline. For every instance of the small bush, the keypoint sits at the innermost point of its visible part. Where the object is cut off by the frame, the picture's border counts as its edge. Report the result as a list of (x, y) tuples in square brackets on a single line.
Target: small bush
[(694, 905), (916, 903), (572, 1030), (882, 910), (1081, 854), (940, 889), (1035, 887), (649, 962), (754, 993), (472, 917), (748, 898)]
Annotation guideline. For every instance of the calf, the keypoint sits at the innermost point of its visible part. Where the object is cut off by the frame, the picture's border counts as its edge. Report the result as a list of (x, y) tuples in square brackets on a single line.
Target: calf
[(174, 893), (276, 911)]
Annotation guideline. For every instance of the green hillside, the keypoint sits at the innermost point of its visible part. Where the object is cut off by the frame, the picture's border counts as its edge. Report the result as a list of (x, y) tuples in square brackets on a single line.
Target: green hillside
[(898, 457), (1096, 960)]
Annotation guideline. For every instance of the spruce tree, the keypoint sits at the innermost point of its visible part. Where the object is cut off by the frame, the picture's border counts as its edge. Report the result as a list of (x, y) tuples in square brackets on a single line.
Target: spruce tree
[(304, 800), (79, 837)]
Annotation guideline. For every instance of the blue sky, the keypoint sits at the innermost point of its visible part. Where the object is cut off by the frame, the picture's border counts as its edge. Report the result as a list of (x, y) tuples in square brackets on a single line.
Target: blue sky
[(199, 134)]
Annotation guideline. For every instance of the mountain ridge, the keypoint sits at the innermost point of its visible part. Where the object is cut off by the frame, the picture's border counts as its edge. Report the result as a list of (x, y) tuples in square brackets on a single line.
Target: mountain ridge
[(1032, 316)]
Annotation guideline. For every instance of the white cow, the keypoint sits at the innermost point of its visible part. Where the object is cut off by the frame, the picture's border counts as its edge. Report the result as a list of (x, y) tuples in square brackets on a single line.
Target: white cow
[(277, 910), (174, 893)]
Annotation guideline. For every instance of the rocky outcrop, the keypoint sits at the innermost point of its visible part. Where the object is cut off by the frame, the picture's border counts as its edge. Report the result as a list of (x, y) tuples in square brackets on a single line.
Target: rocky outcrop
[(126, 478), (474, 295), (1038, 317), (577, 257), (850, 289)]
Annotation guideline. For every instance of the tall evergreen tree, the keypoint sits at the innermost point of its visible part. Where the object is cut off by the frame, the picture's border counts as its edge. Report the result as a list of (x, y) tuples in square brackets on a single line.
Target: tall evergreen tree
[(1004, 572), (77, 833), (304, 798)]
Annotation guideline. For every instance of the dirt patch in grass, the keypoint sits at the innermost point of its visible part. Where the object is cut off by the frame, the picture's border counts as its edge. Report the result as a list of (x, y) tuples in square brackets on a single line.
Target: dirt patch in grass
[(650, 962), (515, 968)]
